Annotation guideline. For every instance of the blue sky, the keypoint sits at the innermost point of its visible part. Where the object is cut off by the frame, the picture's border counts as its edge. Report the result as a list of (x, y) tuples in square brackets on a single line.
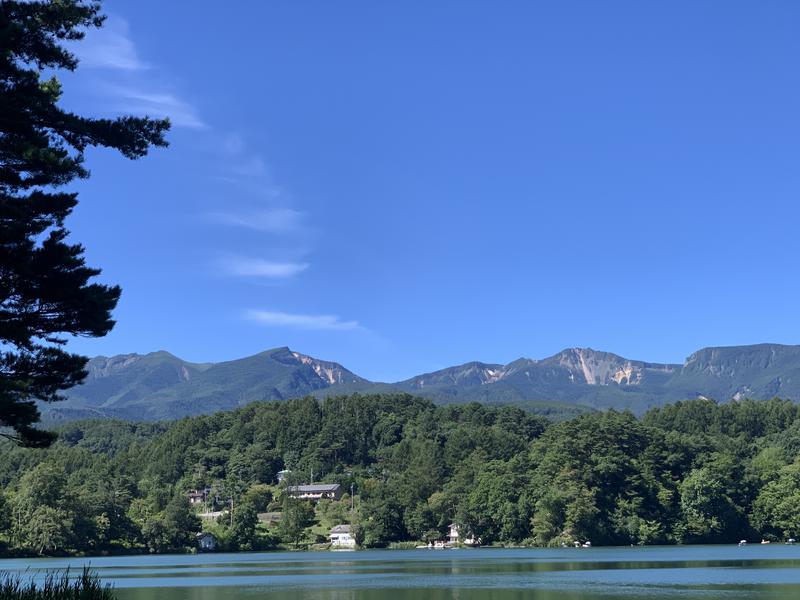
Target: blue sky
[(403, 187)]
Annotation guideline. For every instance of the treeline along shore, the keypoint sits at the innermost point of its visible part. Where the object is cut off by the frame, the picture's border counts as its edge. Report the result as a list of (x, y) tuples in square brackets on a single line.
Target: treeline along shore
[(407, 471)]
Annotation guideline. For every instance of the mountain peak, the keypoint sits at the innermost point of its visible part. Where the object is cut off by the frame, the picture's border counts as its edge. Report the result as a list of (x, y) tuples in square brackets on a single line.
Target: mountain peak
[(596, 367), (469, 374), (159, 385)]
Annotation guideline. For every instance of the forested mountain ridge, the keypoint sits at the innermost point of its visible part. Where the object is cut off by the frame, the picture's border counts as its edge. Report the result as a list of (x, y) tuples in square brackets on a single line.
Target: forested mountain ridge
[(691, 472), (162, 386)]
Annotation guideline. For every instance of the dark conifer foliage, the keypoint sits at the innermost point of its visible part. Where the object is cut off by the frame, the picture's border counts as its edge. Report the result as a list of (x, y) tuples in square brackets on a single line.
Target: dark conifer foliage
[(46, 289)]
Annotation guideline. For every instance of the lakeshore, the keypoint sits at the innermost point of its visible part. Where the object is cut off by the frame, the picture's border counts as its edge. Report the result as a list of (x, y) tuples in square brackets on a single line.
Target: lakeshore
[(660, 572)]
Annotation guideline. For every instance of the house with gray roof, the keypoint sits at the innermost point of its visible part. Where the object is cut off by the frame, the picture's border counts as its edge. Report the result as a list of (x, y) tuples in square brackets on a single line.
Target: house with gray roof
[(316, 491), (341, 537)]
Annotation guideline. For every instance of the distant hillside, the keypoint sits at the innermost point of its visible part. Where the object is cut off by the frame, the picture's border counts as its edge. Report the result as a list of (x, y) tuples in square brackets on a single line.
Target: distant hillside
[(162, 386), (575, 375)]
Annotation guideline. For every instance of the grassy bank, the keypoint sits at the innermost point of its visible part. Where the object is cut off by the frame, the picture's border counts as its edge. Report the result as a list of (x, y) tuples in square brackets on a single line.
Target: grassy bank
[(56, 586)]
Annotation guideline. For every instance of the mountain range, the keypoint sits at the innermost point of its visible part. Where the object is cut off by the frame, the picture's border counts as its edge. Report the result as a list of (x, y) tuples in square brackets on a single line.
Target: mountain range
[(162, 386)]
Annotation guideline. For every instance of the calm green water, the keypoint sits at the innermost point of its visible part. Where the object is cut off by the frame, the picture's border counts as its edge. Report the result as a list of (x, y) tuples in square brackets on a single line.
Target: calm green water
[(763, 572)]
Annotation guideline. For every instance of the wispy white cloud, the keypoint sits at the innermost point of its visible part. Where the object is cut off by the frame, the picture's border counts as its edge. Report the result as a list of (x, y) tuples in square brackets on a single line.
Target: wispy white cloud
[(277, 220), (243, 166), (261, 189), (109, 47), (257, 267), (232, 144), (252, 166), (301, 321), (138, 100), (122, 82)]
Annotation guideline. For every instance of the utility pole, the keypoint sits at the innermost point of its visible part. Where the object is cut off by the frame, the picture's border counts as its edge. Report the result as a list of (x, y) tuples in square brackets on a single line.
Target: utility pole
[(231, 510)]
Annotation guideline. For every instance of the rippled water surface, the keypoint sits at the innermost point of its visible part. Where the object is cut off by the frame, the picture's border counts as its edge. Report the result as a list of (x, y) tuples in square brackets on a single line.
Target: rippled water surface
[(765, 572)]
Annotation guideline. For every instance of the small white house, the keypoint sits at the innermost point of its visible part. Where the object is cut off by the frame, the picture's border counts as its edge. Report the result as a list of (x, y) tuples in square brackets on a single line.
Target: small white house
[(454, 537), (341, 538), (206, 542)]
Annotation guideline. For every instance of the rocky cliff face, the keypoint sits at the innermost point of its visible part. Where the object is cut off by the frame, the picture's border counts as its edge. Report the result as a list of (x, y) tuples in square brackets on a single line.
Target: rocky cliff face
[(604, 368), (575, 365), (102, 366), (330, 372)]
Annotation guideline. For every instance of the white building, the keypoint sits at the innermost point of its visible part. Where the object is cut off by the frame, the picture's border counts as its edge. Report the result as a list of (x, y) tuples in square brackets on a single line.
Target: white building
[(453, 537), (341, 538), (316, 491)]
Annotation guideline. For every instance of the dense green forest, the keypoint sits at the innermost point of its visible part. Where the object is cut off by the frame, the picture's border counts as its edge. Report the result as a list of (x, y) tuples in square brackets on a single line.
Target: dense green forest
[(691, 472)]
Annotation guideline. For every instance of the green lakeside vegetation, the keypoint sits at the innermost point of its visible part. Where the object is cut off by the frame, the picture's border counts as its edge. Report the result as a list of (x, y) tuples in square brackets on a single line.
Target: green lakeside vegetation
[(692, 472), (58, 585)]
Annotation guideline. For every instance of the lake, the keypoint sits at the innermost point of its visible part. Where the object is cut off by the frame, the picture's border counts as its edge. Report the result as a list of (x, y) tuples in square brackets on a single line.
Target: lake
[(730, 572)]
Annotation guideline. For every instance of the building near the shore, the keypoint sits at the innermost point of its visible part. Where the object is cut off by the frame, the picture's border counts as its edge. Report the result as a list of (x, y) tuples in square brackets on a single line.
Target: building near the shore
[(341, 538), (454, 537)]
